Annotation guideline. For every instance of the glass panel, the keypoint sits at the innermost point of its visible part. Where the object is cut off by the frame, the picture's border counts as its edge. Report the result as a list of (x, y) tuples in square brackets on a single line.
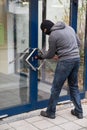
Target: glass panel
[(81, 33), (55, 10), (14, 74)]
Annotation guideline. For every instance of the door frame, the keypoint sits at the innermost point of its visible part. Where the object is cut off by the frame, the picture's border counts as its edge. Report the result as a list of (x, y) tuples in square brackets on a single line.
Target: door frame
[(33, 40)]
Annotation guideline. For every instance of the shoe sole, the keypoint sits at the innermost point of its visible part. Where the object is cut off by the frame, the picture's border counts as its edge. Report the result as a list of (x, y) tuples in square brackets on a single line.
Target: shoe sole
[(48, 116)]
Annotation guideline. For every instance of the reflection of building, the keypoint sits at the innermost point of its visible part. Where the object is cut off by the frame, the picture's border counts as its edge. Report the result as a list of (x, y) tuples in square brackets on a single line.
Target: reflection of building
[(18, 7), (16, 14)]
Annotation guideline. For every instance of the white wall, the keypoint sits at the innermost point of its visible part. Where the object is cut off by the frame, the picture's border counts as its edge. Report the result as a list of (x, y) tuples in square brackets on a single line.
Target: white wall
[(22, 32), (10, 42)]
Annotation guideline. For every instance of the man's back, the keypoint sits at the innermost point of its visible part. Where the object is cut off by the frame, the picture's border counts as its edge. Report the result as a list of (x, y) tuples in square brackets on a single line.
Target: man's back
[(64, 39)]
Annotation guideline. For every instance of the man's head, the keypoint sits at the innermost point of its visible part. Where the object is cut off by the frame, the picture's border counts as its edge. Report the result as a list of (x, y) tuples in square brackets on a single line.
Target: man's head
[(46, 26)]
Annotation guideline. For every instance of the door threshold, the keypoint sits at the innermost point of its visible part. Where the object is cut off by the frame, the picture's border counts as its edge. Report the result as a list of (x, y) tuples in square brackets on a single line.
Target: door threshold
[(3, 116)]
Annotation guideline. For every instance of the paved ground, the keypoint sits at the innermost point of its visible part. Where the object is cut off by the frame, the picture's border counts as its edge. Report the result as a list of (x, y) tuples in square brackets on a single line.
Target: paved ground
[(33, 121)]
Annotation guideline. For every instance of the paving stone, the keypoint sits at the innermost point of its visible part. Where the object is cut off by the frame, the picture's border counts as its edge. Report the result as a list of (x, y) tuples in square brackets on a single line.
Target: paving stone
[(28, 127), (58, 120), (70, 126), (82, 122), (17, 124), (83, 129), (43, 124), (4, 127), (34, 119), (67, 115), (55, 128), (10, 129)]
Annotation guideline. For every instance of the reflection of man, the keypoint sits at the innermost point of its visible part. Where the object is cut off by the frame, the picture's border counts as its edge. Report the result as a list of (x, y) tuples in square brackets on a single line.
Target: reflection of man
[(64, 42)]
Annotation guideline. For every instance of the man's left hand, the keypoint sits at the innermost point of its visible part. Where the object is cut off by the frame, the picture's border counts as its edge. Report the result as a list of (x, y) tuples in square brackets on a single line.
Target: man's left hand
[(55, 57)]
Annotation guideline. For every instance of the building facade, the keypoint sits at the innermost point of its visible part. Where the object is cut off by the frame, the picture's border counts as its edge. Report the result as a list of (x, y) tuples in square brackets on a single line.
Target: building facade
[(25, 86)]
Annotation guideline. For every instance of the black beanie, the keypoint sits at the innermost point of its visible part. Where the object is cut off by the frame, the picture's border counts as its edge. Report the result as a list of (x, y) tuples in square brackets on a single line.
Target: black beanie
[(46, 24)]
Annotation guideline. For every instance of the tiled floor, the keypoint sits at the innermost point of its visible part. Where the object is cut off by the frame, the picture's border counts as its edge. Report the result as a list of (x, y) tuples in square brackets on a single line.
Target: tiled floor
[(33, 121)]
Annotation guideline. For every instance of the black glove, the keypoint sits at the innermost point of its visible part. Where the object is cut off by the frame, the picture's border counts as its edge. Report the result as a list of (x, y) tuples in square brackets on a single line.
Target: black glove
[(39, 57)]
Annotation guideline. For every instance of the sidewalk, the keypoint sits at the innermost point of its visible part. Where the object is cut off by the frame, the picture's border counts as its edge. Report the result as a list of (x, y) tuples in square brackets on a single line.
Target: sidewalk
[(33, 121)]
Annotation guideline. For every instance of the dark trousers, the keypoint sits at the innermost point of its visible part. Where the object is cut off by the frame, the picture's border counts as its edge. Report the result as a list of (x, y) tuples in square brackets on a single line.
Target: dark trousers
[(67, 69)]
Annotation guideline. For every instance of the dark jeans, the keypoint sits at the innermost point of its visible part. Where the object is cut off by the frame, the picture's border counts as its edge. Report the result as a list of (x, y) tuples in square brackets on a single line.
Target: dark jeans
[(67, 69)]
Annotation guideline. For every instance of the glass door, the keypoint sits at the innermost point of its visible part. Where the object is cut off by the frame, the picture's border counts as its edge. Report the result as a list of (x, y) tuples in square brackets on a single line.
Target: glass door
[(81, 27), (55, 10), (14, 44), (22, 88)]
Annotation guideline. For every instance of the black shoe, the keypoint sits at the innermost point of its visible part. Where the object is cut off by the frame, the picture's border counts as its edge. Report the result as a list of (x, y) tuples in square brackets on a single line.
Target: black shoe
[(45, 114), (78, 115)]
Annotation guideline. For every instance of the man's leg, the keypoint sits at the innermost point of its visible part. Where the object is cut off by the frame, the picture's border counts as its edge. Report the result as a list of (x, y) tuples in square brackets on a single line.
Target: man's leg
[(61, 74), (74, 91)]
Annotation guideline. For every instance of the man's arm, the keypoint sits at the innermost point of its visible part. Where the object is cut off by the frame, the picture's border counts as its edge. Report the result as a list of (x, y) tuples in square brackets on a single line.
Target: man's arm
[(52, 49)]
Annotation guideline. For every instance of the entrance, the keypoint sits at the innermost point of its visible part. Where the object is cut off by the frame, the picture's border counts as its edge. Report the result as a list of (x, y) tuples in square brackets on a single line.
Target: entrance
[(23, 88)]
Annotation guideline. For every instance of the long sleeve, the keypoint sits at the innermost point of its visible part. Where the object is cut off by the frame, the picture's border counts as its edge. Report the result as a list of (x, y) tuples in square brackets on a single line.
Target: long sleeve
[(52, 49)]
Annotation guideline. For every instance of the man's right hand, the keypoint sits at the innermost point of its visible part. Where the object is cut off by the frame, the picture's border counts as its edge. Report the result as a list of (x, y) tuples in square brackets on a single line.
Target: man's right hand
[(38, 57)]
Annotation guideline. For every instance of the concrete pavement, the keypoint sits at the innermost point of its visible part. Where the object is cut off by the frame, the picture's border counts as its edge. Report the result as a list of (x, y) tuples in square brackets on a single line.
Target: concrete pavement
[(33, 121)]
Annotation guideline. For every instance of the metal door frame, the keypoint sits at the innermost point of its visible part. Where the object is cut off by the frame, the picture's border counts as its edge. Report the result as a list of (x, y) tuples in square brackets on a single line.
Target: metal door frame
[(33, 40)]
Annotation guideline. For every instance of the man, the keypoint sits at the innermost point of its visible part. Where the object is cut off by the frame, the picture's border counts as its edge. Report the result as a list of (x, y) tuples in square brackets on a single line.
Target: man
[(63, 42)]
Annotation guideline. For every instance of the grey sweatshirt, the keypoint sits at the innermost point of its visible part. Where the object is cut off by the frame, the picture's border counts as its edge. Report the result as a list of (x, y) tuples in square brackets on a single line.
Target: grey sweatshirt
[(63, 41)]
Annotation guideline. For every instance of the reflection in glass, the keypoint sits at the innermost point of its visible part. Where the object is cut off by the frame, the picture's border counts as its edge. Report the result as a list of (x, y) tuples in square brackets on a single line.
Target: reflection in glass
[(14, 74), (81, 33), (55, 10)]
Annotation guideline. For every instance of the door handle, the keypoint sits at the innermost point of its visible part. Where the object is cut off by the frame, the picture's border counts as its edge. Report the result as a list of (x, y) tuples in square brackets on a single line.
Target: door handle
[(32, 59), (38, 68), (29, 56)]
